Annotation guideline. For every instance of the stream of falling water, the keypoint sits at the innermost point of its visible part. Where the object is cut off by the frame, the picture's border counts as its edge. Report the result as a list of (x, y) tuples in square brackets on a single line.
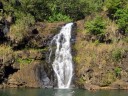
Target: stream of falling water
[(62, 64)]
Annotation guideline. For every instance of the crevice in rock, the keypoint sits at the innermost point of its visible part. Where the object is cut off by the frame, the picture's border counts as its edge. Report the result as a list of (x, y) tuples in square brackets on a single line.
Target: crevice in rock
[(8, 70), (3, 38), (21, 45), (35, 31), (1, 77)]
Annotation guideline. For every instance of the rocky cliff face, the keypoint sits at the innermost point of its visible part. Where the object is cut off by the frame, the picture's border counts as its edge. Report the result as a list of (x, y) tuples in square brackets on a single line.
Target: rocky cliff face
[(101, 65), (23, 59), (97, 65)]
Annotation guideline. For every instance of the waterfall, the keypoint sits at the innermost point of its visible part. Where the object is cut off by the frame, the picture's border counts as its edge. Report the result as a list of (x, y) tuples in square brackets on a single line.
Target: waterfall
[(62, 64)]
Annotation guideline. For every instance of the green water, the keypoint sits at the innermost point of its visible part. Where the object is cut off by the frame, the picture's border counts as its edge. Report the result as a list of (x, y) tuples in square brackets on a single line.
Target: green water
[(62, 92)]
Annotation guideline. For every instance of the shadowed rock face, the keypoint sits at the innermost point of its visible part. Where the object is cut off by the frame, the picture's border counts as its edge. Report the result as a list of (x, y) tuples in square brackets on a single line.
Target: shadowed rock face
[(23, 63), (1, 5), (32, 75), (4, 30), (38, 36)]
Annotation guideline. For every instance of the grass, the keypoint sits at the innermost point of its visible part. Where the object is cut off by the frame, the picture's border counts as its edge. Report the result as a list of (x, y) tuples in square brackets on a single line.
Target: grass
[(81, 81), (24, 61), (117, 54), (17, 33), (5, 50), (108, 79), (98, 55), (27, 56), (125, 39), (117, 71), (6, 53)]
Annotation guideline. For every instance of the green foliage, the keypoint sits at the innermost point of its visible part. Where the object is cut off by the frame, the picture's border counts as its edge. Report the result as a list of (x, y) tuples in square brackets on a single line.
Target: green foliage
[(59, 17), (7, 6), (81, 81), (118, 10), (76, 10), (24, 61), (5, 51), (117, 54), (96, 26), (37, 8), (112, 5), (117, 71), (96, 42), (107, 79), (22, 24), (43, 10), (121, 16), (125, 39), (24, 20)]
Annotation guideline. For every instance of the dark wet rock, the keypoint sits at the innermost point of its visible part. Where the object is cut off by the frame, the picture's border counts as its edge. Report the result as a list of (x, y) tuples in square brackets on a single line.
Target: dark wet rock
[(74, 33), (1, 5), (1, 33)]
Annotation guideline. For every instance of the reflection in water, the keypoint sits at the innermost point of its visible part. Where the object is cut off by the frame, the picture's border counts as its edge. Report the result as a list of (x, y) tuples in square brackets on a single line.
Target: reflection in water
[(61, 92), (64, 92)]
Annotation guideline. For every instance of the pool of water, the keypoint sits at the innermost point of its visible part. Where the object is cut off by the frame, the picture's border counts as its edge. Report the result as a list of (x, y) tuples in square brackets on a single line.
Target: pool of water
[(61, 92)]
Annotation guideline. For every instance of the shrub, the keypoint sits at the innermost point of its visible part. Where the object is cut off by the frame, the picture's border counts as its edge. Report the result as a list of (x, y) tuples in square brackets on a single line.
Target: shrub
[(20, 29), (96, 26), (117, 54), (5, 50), (113, 6), (121, 16), (24, 20), (117, 71), (125, 39), (24, 61), (96, 42), (6, 54), (59, 17)]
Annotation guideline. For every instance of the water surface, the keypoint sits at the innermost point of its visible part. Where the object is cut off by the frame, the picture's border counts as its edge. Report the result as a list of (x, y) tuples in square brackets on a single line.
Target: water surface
[(61, 92)]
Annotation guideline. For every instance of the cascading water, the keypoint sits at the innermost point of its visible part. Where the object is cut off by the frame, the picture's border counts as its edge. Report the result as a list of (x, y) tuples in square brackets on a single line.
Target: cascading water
[(62, 64)]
